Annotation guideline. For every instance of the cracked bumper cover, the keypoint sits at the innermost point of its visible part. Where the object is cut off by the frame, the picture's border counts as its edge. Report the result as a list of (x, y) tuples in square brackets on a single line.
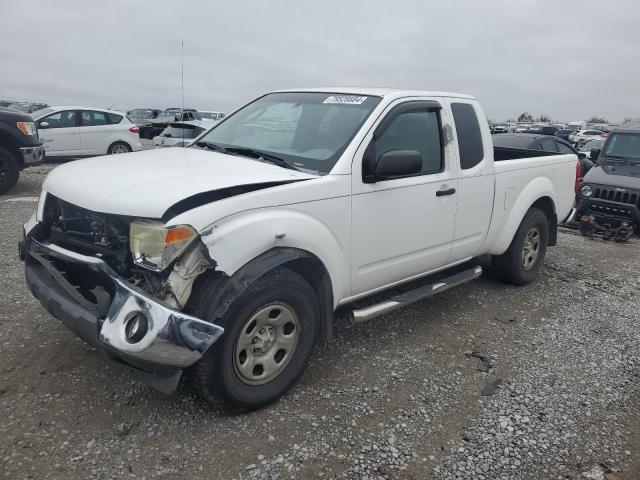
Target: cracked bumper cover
[(173, 341)]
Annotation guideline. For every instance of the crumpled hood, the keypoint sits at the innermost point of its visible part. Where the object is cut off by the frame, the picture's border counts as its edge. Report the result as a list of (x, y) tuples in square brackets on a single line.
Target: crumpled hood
[(617, 175), (148, 183)]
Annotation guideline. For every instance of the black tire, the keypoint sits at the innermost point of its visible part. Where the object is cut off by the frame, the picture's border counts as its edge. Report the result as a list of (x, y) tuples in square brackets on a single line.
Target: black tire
[(118, 147), (216, 375), (510, 266), (9, 171)]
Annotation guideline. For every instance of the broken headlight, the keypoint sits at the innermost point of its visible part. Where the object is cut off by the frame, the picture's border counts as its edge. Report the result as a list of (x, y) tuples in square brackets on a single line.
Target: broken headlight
[(155, 246)]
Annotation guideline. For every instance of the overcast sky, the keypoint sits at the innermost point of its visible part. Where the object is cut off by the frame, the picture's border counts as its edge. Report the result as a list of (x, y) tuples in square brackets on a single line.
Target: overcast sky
[(567, 59)]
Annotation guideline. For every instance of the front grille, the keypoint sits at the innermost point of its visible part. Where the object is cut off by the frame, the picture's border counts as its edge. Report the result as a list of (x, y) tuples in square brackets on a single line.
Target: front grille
[(613, 194), (615, 202), (87, 232)]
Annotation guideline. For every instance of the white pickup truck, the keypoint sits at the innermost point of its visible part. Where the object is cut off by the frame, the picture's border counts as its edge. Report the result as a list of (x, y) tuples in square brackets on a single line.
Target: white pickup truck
[(227, 259)]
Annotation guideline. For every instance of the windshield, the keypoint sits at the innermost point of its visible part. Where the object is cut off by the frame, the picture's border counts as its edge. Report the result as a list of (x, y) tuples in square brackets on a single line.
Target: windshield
[(623, 145), (592, 144), (511, 141), (41, 112), (307, 130)]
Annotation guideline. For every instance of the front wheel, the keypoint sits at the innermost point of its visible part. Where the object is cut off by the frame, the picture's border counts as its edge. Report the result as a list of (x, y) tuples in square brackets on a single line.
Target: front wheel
[(524, 258), (118, 147), (270, 330)]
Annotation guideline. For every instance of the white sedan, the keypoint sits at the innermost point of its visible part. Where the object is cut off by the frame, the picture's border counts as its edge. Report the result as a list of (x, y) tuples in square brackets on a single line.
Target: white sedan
[(82, 131), (586, 135)]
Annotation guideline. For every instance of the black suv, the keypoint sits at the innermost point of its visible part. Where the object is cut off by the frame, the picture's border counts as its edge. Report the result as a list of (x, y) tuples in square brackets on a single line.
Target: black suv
[(608, 200), (20, 146)]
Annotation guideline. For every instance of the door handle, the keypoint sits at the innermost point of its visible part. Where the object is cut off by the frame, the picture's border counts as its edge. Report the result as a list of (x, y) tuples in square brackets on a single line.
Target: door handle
[(448, 191)]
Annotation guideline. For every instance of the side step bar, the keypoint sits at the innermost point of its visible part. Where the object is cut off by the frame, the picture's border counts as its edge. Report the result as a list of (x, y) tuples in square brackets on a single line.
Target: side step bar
[(407, 298)]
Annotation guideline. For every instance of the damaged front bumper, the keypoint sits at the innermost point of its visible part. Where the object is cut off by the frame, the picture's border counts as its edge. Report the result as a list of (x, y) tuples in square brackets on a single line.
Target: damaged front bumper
[(610, 218), (125, 322)]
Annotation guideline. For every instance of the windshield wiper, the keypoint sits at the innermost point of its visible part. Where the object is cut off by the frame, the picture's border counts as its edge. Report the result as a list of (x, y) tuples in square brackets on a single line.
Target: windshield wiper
[(257, 154), (211, 146)]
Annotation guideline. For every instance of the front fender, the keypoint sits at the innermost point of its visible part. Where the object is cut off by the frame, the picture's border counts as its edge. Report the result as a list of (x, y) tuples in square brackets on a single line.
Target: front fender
[(237, 240), (512, 211)]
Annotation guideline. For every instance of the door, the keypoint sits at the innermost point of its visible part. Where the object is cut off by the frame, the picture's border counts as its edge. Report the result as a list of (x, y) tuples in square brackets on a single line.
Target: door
[(94, 132), (476, 181), (402, 227), (59, 133)]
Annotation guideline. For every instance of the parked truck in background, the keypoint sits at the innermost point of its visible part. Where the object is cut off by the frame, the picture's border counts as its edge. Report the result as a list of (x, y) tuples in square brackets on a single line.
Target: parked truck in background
[(227, 259), (20, 146), (608, 200)]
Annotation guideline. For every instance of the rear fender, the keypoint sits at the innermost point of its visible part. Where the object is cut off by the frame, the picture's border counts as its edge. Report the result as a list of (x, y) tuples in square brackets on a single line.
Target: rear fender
[(517, 208)]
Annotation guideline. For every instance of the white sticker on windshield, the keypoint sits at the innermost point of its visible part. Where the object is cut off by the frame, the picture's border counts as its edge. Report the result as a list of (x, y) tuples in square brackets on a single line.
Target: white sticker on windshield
[(345, 99)]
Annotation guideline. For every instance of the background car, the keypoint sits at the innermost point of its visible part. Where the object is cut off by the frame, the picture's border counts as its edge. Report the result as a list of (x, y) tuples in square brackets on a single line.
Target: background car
[(546, 143), (82, 131), (27, 107), (179, 134), (564, 133), (586, 148), (140, 116), (155, 126), (585, 135), (210, 115)]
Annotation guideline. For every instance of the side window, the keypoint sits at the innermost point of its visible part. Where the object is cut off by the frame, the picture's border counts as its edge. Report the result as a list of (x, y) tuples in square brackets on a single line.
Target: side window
[(564, 148), (92, 119), (469, 135), (414, 130), (113, 119), (548, 145), (64, 119)]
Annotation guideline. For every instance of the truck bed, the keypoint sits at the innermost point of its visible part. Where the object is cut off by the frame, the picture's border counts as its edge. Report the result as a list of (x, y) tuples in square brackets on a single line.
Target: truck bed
[(518, 174)]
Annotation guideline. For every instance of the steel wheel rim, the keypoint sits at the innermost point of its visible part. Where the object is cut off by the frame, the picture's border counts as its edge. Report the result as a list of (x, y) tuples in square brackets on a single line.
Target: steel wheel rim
[(531, 248), (266, 343), (119, 149)]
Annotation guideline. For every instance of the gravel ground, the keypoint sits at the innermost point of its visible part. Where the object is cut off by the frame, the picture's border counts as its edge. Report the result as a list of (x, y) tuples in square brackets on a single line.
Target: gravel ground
[(486, 381)]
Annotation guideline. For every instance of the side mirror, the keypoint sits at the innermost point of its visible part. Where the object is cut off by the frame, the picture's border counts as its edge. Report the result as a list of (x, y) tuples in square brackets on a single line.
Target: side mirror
[(595, 153), (396, 164), (581, 155), (43, 124)]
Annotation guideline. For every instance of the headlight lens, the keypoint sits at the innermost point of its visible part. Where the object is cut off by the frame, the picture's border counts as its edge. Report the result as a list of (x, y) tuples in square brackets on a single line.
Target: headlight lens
[(28, 128), (586, 191), (155, 246)]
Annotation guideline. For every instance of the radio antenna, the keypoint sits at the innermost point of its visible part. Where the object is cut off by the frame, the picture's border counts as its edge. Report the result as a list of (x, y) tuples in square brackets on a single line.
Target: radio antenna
[(182, 86), (182, 72)]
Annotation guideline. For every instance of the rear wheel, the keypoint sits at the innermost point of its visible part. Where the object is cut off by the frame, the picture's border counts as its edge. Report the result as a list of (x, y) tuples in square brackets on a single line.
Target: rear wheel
[(118, 147), (9, 171), (522, 262), (270, 331)]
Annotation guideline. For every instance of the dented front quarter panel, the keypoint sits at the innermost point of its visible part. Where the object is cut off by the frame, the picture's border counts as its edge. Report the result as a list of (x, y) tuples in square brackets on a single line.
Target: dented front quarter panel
[(312, 215)]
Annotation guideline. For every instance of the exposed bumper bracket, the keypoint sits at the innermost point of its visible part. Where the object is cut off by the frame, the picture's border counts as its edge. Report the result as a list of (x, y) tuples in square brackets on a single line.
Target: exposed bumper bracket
[(168, 338)]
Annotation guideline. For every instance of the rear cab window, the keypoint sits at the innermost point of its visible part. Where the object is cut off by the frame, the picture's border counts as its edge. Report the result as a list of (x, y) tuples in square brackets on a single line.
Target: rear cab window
[(469, 135)]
